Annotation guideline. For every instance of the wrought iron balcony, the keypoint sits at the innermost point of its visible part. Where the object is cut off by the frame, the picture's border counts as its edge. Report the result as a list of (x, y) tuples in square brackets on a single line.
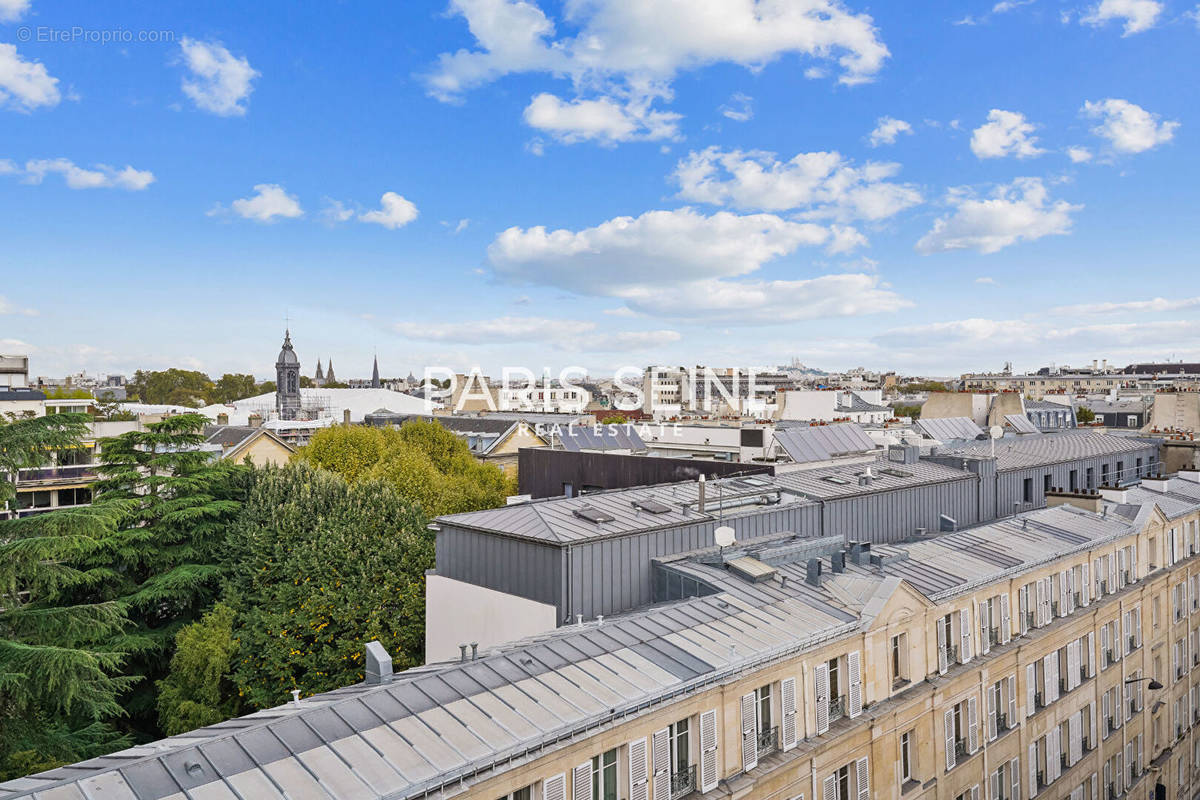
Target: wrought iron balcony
[(837, 708), (960, 750), (768, 741), (1002, 722), (951, 653), (683, 783), (993, 636)]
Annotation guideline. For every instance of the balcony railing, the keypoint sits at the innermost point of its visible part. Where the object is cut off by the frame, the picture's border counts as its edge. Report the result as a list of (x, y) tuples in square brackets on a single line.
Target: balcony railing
[(960, 750), (837, 708), (1110, 657), (1002, 722), (1039, 700), (768, 741), (993, 636), (1133, 643), (951, 652), (1083, 672), (683, 783), (72, 472), (1029, 620), (1078, 598)]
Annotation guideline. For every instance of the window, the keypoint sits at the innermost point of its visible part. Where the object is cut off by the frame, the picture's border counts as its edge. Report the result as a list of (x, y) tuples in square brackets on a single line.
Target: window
[(906, 764), (851, 782), (525, 793), (1046, 483), (1027, 490), (762, 696), (604, 776), (1104, 474), (679, 735), (900, 658)]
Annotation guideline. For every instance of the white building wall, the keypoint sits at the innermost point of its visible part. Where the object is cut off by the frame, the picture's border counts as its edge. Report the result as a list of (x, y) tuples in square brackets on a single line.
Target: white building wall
[(808, 405), (460, 613)]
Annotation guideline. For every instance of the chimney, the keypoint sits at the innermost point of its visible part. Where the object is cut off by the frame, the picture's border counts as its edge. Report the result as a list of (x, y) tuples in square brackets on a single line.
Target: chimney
[(860, 553), (838, 559), (474, 650), (345, 416), (812, 572), (1085, 500), (1114, 494), (222, 419), (865, 478), (1157, 484), (379, 664), (700, 494), (255, 420)]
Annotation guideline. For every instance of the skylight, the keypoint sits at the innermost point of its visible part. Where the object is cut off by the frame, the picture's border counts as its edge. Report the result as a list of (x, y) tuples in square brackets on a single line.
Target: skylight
[(593, 514)]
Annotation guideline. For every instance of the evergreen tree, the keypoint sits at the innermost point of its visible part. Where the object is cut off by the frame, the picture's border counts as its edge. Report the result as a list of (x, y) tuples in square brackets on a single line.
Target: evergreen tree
[(60, 661), (198, 690), (162, 563)]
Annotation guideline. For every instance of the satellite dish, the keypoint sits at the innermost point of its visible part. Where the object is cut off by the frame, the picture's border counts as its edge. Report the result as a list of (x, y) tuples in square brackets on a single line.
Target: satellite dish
[(723, 536), (996, 431)]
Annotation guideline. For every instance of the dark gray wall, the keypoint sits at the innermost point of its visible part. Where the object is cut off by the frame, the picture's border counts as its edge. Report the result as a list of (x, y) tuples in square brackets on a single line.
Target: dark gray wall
[(896, 515), (514, 566)]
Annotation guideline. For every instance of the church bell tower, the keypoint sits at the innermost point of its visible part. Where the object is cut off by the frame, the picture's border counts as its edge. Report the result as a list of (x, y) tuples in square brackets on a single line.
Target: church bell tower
[(287, 380)]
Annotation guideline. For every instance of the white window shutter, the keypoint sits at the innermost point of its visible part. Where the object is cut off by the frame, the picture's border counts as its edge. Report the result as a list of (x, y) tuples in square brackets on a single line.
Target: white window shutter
[(749, 732), (821, 696), (975, 792), (1112, 573), (1064, 593), (708, 751), (993, 708), (1092, 723), (1095, 786), (639, 776), (1050, 678), (1039, 606), (1089, 644), (1033, 786), (555, 787), (863, 774), (985, 641), (1023, 609), (830, 791), (943, 659), (581, 782), (1030, 690), (1005, 619), (1052, 751), (972, 725), (787, 701), (1085, 585), (1012, 700), (854, 690), (948, 728), (964, 630), (1075, 737), (660, 752), (1015, 775)]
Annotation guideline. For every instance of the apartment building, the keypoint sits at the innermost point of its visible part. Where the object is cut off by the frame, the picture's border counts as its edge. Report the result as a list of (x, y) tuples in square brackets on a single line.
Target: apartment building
[(1050, 654)]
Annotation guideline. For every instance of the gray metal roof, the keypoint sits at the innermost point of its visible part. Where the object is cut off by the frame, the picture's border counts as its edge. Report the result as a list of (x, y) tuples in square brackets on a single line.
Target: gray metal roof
[(823, 442), (1053, 448), (559, 520), (1021, 423), (826, 483), (949, 428), (435, 726), (603, 437), (858, 404)]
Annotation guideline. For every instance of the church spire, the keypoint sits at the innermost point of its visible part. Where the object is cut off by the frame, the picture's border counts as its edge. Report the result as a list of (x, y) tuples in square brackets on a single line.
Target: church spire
[(320, 376), (375, 374), (329, 376)]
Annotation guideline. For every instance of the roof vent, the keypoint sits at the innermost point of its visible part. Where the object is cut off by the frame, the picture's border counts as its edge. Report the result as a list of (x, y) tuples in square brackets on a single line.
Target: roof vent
[(838, 561), (812, 572), (379, 663), (947, 524), (593, 515)]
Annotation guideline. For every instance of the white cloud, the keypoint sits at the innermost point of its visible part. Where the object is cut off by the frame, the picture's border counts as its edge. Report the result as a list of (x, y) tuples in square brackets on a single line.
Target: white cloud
[(269, 203), (821, 185), (396, 212), (624, 54), (1016, 212), (988, 281), (335, 211), (1194, 15), (886, 131), (1009, 5), (7, 308), (685, 265), (11, 10), (1158, 304), (1006, 133), (1138, 15), (220, 82), (1129, 127), (25, 85), (100, 176), (559, 333), (740, 108), (656, 248), (605, 120), (641, 40), (768, 302), (1079, 155)]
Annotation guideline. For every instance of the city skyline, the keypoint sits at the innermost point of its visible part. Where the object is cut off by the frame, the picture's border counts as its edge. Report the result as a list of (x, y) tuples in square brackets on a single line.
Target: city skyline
[(935, 191)]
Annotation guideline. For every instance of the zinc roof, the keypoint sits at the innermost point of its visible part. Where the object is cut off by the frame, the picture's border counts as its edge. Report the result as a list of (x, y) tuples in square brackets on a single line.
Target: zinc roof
[(949, 428), (823, 442), (1052, 448)]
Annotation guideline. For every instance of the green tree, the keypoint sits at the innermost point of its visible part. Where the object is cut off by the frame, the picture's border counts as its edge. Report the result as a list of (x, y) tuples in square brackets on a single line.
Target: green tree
[(907, 411), (172, 386), (198, 691), (924, 386), (426, 463), (63, 393), (162, 564), (61, 654), (614, 419), (266, 387), (1084, 415), (232, 387), (318, 567)]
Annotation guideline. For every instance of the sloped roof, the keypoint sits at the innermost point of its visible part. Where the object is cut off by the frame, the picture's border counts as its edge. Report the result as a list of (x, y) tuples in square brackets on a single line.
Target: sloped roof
[(823, 442), (1021, 423), (1053, 448), (949, 428), (608, 437)]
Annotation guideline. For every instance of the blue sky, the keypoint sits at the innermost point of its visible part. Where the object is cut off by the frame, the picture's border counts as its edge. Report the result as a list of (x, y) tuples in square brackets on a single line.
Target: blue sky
[(932, 187)]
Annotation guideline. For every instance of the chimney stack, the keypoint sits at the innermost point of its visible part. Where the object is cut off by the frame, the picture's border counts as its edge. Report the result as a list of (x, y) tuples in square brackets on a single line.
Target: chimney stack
[(255, 420), (345, 416), (379, 664), (838, 559), (222, 419), (474, 650), (700, 494), (812, 572)]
